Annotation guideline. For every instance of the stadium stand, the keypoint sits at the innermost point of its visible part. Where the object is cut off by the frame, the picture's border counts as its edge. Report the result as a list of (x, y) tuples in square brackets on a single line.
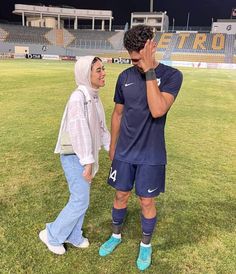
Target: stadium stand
[(197, 47), (20, 34), (198, 57), (59, 37), (181, 46), (91, 38), (192, 42)]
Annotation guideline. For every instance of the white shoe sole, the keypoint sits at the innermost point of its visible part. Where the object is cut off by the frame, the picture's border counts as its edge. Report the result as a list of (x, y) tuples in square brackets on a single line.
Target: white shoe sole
[(84, 244), (54, 249)]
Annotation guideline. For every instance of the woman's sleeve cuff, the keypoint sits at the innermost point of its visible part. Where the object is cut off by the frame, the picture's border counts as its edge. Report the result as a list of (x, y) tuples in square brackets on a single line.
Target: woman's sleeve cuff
[(87, 160)]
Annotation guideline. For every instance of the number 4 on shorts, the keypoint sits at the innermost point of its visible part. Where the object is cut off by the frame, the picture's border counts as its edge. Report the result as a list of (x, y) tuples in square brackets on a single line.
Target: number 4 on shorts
[(113, 174)]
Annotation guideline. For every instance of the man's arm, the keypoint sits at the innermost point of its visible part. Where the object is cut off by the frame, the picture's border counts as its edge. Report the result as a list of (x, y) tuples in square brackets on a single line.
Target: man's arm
[(159, 102), (115, 128)]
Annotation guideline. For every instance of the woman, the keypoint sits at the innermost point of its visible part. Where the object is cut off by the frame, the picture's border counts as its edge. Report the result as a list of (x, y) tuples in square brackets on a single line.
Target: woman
[(84, 124)]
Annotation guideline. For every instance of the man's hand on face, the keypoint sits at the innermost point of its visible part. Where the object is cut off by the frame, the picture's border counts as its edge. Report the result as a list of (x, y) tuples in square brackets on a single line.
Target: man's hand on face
[(148, 55)]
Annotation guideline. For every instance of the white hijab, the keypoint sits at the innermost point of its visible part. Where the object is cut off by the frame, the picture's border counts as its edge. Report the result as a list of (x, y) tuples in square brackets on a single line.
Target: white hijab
[(96, 121)]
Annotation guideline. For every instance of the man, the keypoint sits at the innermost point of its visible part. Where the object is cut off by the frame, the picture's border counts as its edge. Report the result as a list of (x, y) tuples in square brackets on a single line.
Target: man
[(144, 94)]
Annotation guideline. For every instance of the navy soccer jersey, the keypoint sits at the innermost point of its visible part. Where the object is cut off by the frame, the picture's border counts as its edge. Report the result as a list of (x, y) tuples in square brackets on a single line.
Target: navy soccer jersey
[(141, 139)]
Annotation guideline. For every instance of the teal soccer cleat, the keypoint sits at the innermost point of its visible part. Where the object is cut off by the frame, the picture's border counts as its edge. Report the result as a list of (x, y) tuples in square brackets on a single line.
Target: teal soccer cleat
[(144, 257), (109, 246)]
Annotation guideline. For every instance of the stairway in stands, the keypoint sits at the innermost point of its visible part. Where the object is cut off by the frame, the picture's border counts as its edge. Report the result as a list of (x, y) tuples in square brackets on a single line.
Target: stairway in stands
[(3, 34), (229, 48), (171, 46), (60, 37)]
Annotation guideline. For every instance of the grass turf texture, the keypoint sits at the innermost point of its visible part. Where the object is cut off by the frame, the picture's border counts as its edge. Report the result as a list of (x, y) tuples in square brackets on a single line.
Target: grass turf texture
[(197, 214)]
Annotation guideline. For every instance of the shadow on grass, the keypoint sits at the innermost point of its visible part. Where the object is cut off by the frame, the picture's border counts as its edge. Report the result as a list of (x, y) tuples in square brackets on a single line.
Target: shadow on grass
[(179, 223), (191, 222)]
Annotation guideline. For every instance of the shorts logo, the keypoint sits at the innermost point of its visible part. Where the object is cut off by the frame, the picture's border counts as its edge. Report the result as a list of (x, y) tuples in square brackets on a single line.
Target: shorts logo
[(152, 190), (113, 175), (129, 84)]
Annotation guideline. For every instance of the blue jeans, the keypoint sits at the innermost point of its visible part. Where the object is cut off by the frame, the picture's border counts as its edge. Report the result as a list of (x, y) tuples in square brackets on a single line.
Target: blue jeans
[(68, 224)]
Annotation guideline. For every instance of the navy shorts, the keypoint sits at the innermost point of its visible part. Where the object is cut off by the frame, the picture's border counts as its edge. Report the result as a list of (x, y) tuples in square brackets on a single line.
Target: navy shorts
[(149, 180)]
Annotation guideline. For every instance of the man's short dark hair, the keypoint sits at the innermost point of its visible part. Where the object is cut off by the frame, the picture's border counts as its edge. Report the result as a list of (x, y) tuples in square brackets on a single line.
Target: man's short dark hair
[(136, 37)]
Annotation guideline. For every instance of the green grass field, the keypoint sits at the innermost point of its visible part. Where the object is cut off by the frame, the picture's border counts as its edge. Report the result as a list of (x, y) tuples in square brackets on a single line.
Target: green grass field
[(196, 231)]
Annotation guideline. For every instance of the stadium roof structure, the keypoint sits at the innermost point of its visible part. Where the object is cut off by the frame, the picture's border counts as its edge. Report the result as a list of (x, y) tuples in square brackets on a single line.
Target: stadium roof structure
[(158, 20), (63, 13), (147, 12), (227, 20)]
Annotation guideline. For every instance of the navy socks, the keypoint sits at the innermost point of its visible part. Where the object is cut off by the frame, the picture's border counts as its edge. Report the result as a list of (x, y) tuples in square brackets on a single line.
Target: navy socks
[(118, 216), (148, 226)]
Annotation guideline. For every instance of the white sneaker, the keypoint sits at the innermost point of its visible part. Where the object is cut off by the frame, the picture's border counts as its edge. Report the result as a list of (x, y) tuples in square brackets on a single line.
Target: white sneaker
[(57, 249), (84, 244)]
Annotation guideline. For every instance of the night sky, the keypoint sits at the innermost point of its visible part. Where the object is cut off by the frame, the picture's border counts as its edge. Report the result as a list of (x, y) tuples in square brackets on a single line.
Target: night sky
[(201, 11)]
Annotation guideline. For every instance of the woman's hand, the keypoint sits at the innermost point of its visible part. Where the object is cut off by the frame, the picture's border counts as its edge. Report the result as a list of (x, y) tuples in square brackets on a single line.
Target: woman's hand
[(87, 173)]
